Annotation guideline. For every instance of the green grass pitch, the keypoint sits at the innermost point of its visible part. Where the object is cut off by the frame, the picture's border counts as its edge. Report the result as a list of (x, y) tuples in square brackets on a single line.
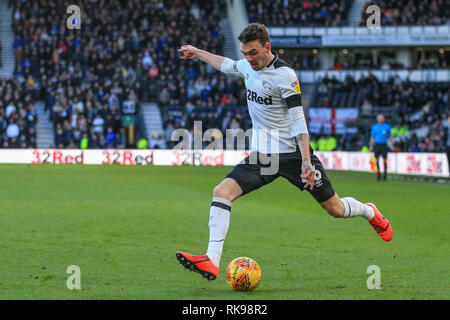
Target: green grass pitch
[(123, 225)]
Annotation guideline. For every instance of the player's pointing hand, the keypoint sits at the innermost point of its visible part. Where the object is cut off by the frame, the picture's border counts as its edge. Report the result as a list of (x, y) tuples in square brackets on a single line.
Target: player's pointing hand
[(308, 174), (188, 52)]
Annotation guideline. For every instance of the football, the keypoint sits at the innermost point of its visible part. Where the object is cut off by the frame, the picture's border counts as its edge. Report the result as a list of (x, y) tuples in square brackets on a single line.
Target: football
[(243, 274)]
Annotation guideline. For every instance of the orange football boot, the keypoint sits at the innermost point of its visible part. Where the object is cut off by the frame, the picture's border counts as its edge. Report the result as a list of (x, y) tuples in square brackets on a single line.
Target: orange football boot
[(200, 264), (381, 225)]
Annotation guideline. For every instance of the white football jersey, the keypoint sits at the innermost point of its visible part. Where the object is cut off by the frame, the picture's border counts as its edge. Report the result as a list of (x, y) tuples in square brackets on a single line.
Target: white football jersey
[(271, 92)]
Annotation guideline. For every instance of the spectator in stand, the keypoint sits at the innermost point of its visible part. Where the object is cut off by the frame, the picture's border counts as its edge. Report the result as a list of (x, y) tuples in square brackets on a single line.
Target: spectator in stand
[(418, 109), (338, 65), (59, 136), (98, 124), (12, 130), (366, 107), (110, 138)]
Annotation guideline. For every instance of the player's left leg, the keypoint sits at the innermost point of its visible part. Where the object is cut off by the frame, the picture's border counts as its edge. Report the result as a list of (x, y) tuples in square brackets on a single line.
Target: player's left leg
[(349, 207), (325, 195)]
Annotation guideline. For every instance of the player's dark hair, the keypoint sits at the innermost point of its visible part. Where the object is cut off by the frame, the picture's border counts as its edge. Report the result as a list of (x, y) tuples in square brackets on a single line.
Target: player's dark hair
[(254, 31)]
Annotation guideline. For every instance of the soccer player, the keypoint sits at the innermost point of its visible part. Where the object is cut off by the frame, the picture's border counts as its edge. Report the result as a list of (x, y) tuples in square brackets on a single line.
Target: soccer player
[(275, 107), (379, 136)]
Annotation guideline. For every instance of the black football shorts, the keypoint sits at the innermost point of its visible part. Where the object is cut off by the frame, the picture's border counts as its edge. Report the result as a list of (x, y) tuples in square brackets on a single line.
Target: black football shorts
[(380, 149), (249, 175)]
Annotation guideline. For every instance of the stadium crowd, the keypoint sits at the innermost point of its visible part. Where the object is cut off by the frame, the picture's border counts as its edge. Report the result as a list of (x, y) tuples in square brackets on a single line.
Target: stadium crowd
[(419, 111), (323, 13), (18, 117), (327, 13), (127, 51), (410, 12)]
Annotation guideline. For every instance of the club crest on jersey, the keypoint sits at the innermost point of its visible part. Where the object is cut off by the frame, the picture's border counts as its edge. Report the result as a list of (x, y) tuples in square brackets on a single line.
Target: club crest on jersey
[(253, 96), (296, 86), (266, 85)]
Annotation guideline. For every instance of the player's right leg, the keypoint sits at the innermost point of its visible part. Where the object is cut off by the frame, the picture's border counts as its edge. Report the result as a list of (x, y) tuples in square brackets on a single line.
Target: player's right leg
[(219, 216), (243, 178), (219, 220)]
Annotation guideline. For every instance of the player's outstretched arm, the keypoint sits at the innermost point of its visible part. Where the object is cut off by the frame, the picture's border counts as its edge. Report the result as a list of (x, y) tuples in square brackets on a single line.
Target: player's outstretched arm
[(191, 52)]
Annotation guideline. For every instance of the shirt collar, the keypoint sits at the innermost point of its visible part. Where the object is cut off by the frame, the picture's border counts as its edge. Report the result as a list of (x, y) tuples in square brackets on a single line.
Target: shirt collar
[(273, 60)]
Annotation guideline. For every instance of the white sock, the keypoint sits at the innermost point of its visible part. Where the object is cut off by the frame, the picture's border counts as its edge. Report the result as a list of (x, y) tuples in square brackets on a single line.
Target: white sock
[(219, 220), (355, 208)]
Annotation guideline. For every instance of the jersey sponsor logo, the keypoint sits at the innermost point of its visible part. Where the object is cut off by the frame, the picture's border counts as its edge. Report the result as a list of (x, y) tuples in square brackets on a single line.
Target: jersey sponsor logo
[(296, 86), (253, 96)]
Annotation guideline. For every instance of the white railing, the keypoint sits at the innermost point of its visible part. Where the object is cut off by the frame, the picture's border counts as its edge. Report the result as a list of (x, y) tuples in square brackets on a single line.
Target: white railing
[(332, 31)]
